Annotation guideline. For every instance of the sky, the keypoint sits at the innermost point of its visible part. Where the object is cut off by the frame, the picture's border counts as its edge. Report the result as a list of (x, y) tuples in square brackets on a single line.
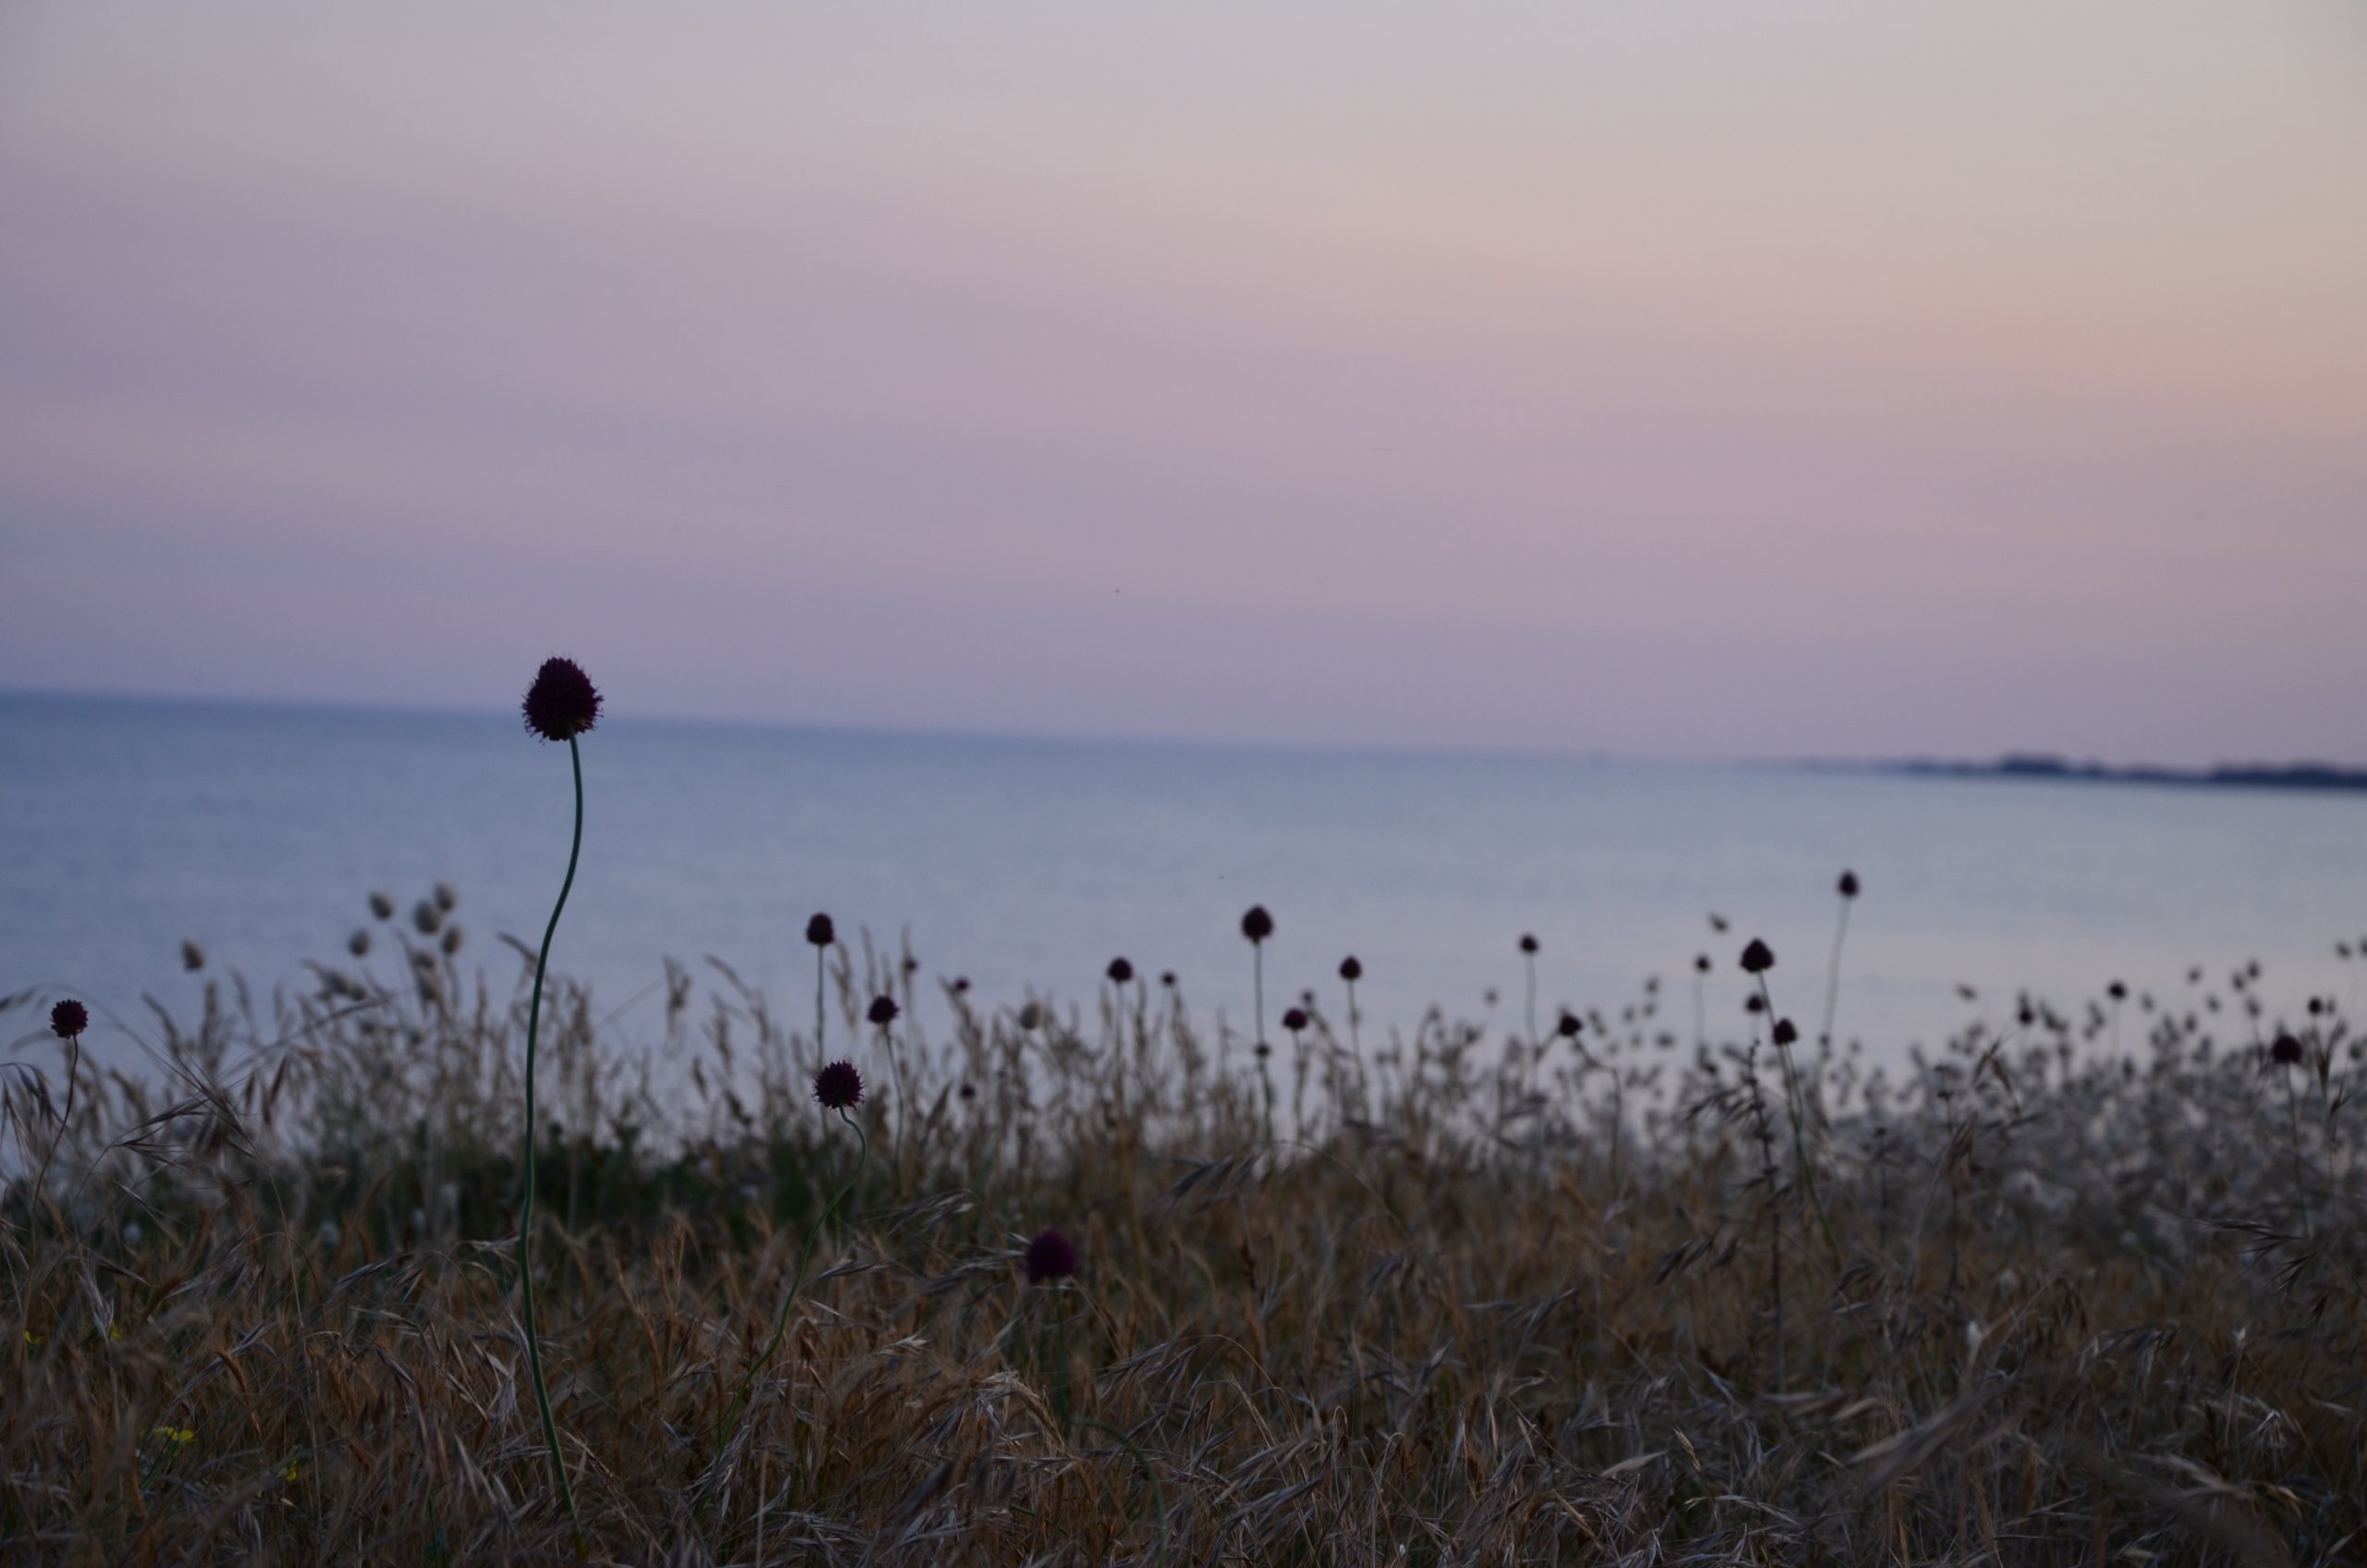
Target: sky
[(1679, 380)]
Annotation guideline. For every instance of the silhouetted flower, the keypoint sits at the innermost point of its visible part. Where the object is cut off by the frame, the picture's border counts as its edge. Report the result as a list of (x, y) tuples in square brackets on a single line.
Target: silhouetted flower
[(838, 1087), (820, 932), (1785, 1034), (359, 943), (193, 956), (562, 703), (883, 1011), (961, 985), (2117, 991), (1754, 1003), (1758, 958), (1030, 1015), (1568, 1027), (69, 1018), (382, 906), (452, 939), (1257, 925), (425, 917), (2286, 1052), (1701, 963), (1294, 1019), (1166, 978), (969, 1091), (1350, 969), (1120, 972), (1050, 1256), (1848, 884), (446, 898), (1527, 943)]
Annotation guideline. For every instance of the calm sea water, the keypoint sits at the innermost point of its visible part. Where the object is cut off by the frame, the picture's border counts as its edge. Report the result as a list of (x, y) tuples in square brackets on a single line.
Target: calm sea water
[(126, 826)]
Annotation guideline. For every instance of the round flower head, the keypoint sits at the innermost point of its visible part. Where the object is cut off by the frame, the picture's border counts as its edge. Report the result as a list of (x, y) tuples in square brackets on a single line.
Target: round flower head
[(1120, 972), (562, 703), (1701, 963), (1758, 958), (1848, 884), (1030, 1015), (1264, 1050), (1754, 1003), (820, 932), (961, 985), (1528, 944), (382, 906), (1257, 925), (70, 1019), (1294, 1019), (838, 1087), (2286, 1052), (1350, 969), (1050, 1256), (1785, 1033), (883, 1009), (1569, 1026), (1166, 978)]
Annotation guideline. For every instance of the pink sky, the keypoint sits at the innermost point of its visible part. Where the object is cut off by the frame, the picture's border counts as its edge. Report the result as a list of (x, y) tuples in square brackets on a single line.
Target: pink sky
[(1816, 379)]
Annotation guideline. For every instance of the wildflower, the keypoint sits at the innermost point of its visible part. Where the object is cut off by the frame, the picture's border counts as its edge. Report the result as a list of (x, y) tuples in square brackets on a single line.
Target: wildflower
[(2286, 1052), (1754, 1003), (1350, 970), (1529, 944), (961, 985), (1294, 1019), (2117, 991), (291, 1470), (1758, 958), (1257, 925), (1848, 884), (425, 918), (838, 1087), (357, 944), (180, 1437), (1785, 1031), (1166, 978), (446, 898), (883, 1011), (820, 932), (1049, 1256), (1030, 1015), (1120, 972), (1568, 1027), (382, 906), (452, 939), (1701, 963), (69, 1019), (562, 703)]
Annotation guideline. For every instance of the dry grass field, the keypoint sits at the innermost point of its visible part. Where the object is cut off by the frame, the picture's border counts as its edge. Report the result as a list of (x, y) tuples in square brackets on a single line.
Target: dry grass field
[(2084, 1287)]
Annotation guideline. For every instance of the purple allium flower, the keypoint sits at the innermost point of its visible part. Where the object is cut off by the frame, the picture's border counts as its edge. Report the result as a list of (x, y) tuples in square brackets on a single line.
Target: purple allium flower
[(1785, 1033), (1758, 958), (820, 932), (961, 985), (2286, 1052), (1257, 925), (1166, 978), (1050, 1256), (1294, 1019), (1848, 884), (838, 1087), (1569, 1026), (562, 703), (1701, 963), (883, 1009), (1528, 944), (1754, 1003), (1120, 972), (1350, 969), (2117, 991), (69, 1018)]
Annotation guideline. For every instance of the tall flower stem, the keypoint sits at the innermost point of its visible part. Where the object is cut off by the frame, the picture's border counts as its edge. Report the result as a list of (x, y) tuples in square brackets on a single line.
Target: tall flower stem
[(526, 1207), (796, 1283)]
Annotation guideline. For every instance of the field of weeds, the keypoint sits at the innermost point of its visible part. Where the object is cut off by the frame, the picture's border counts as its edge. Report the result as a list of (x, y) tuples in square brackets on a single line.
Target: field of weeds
[(1637, 1286)]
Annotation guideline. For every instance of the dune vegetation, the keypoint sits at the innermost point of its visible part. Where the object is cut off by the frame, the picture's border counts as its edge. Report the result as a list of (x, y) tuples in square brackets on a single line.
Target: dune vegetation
[(2084, 1287)]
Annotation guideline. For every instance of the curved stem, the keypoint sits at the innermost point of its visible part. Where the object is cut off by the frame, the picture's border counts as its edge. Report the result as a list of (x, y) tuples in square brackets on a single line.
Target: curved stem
[(804, 1261), (526, 1206)]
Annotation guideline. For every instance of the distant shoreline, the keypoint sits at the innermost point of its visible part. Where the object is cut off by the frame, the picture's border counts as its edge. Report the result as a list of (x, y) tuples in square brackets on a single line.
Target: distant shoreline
[(2310, 776)]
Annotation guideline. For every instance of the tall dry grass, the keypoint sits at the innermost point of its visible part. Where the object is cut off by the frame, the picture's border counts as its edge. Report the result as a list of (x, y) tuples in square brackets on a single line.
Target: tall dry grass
[(2053, 1301)]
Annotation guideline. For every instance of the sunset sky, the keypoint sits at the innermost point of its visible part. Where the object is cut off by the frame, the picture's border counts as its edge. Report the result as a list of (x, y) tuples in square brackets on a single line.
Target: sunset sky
[(1815, 379)]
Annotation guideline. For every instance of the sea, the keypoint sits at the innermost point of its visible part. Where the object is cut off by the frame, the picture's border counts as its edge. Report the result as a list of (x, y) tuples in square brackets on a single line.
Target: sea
[(128, 827)]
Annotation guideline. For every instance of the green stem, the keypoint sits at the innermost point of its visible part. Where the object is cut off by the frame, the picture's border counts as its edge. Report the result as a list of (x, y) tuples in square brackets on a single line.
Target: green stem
[(526, 1207), (804, 1261)]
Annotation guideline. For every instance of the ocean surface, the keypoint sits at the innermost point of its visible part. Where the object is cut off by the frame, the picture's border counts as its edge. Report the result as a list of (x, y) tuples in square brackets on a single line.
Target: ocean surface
[(126, 826)]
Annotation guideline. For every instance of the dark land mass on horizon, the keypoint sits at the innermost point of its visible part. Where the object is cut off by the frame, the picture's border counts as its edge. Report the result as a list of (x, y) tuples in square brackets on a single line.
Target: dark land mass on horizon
[(2045, 765)]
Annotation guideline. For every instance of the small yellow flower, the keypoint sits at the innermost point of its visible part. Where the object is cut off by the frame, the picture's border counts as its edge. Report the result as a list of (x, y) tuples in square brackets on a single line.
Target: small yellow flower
[(180, 1437), (33, 1339), (114, 1331), (294, 1468)]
